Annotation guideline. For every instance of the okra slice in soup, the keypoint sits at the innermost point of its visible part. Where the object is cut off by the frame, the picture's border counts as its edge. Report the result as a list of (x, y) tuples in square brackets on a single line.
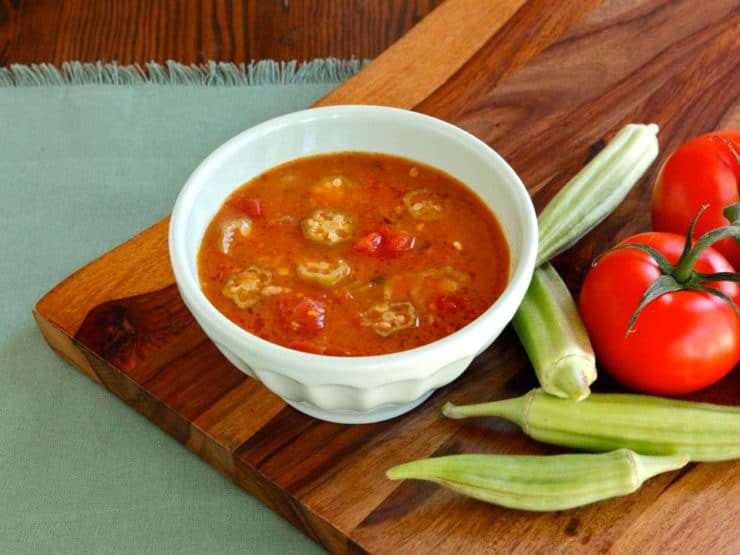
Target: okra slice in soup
[(438, 281), (229, 231), (328, 227), (424, 205), (322, 272), (332, 188), (387, 318), (245, 288)]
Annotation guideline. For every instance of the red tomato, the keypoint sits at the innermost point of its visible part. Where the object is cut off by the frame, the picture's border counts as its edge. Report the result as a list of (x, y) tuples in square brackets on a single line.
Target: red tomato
[(304, 314), (702, 171), (386, 242), (369, 243), (396, 242), (252, 207), (681, 342)]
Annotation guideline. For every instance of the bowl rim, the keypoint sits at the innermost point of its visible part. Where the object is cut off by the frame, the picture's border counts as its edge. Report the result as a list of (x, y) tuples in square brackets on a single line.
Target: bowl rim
[(442, 349)]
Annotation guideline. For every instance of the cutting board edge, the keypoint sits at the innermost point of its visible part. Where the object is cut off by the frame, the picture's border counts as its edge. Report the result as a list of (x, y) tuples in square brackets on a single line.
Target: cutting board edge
[(245, 476), (63, 344)]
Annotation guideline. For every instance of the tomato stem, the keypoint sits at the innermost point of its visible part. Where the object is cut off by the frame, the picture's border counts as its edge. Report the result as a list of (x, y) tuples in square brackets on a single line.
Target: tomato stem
[(682, 275), (684, 270), (732, 213)]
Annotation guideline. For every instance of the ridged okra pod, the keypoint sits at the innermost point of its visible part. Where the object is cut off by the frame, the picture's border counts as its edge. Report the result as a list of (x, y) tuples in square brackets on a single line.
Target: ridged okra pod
[(548, 323), (540, 482), (595, 191), (606, 421), (551, 330)]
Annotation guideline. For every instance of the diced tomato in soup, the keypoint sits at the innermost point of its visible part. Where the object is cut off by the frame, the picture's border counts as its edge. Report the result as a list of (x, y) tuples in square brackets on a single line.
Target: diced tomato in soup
[(353, 254)]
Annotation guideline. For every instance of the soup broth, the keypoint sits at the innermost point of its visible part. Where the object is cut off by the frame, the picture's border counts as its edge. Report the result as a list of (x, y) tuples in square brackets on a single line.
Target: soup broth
[(353, 254)]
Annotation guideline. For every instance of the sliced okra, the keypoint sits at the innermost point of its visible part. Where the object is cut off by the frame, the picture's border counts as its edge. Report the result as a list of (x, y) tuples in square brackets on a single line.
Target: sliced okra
[(438, 281), (387, 318), (327, 226), (245, 288), (424, 204), (242, 226), (326, 274)]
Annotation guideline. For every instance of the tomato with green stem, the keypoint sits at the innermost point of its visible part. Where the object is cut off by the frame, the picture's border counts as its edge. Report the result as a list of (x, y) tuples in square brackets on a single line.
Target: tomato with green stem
[(662, 312), (703, 171)]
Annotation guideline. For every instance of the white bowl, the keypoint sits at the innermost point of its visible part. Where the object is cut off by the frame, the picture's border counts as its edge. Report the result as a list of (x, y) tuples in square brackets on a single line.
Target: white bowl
[(353, 389)]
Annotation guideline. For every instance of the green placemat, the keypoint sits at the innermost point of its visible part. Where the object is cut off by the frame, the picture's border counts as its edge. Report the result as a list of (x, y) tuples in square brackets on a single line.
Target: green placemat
[(89, 156)]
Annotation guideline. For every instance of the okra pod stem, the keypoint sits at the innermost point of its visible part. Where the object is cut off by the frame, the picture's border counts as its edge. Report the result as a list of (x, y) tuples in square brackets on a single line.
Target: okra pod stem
[(606, 421), (554, 337), (541, 482)]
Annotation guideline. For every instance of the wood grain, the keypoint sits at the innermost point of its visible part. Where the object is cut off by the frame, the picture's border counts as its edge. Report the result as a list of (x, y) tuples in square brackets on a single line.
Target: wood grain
[(196, 31), (456, 36), (547, 88)]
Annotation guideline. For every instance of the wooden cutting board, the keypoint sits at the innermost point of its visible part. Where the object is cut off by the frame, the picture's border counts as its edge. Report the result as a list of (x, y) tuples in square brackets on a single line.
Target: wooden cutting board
[(544, 85)]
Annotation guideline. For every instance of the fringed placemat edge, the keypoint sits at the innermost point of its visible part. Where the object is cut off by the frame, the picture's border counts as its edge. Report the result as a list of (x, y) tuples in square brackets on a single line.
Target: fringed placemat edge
[(210, 74)]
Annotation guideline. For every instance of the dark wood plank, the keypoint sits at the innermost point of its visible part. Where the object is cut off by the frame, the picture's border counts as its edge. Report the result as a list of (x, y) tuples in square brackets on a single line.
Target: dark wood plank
[(195, 31), (545, 87), (8, 13)]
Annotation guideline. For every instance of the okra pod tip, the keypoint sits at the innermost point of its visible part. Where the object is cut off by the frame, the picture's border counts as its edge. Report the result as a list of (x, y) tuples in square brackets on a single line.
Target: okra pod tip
[(553, 335), (573, 375)]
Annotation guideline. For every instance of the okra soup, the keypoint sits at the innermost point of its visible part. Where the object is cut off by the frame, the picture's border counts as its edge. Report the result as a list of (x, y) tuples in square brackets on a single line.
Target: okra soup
[(353, 254)]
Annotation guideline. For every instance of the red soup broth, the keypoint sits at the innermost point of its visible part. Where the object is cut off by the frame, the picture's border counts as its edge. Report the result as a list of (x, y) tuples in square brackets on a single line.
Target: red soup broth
[(353, 254)]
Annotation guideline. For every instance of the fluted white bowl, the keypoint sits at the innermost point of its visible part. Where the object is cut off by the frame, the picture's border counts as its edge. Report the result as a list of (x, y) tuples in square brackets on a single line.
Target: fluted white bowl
[(369, 388)]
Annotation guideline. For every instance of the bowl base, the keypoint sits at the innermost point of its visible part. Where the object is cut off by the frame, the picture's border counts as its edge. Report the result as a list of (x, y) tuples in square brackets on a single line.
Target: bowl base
[(356, 417)]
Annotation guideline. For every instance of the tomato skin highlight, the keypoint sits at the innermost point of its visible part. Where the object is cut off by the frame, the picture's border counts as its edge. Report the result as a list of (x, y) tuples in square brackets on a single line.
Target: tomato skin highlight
[(681, 342), (703, 171)]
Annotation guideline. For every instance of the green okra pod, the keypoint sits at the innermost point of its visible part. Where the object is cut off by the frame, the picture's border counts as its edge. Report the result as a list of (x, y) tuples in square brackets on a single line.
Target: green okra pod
[(606, 421), (548, 323), (554, 337), (595, 191), (540, 482)]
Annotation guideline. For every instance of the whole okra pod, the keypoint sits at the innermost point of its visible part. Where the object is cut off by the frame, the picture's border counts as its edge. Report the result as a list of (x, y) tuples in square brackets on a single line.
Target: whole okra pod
[(606, 421), (551, 331), (548, 323), (541, 482)]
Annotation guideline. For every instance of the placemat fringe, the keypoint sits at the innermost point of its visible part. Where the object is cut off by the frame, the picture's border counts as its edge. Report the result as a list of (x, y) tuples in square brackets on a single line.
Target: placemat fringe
[(216, 74)]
